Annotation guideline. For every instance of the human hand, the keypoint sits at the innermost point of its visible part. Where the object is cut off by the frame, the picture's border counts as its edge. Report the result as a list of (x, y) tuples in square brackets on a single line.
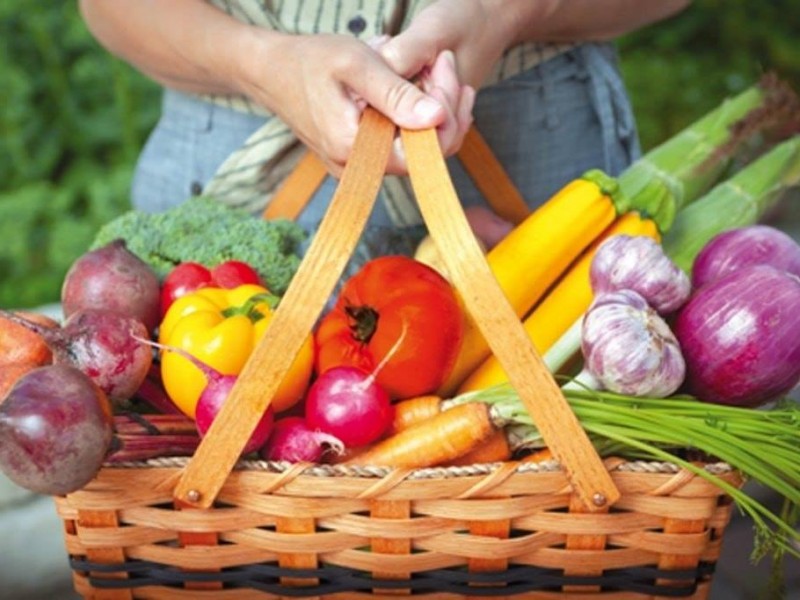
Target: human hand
[(324, 82), (476, 31)]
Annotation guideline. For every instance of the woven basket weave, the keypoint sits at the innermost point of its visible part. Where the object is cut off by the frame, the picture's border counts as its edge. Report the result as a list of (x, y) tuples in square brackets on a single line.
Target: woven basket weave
[(214, 526), (458, 532)]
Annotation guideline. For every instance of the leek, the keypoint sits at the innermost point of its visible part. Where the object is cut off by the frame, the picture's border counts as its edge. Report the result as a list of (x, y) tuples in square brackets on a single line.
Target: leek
[(740, 201)]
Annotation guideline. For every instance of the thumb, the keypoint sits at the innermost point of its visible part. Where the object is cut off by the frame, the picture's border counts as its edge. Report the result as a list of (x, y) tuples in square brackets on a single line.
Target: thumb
[(408, 53), (405, 104)]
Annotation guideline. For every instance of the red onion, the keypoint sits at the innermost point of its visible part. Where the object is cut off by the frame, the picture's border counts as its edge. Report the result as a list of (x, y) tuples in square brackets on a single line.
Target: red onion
[(639, 263), (740, 336), (742, 247)]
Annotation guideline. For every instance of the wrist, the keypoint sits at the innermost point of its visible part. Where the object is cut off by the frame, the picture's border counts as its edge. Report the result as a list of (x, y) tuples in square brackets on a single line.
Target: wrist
[(515, 18), (248, 60)]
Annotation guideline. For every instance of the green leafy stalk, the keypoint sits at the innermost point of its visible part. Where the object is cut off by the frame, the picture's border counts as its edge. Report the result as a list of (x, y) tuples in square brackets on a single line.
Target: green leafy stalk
[(740, 201), (681, 169)]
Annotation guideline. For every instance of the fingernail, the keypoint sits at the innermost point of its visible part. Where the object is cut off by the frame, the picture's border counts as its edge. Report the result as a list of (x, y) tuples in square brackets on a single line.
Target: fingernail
[(427, 108)]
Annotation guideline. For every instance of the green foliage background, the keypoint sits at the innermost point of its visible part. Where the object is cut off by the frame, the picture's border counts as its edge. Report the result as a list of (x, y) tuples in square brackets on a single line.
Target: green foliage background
[(74, 118)]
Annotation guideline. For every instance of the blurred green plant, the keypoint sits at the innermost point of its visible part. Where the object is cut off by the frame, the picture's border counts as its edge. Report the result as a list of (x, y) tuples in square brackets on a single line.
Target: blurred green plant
[(73, 121), (74, 118), (681, 68)]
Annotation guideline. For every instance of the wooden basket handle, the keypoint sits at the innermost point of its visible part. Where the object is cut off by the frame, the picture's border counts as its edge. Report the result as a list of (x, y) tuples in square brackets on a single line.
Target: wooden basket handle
[(315, 279), (475, 155)]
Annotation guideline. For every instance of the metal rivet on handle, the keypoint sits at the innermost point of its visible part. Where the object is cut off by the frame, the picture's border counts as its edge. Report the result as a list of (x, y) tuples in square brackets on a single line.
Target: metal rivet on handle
[(193, 496), (599, 499)]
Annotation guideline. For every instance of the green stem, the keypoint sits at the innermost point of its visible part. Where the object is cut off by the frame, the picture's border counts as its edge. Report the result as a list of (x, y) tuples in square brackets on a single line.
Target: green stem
[(565, 348), (250, 308), (679, 170), (740, 201)]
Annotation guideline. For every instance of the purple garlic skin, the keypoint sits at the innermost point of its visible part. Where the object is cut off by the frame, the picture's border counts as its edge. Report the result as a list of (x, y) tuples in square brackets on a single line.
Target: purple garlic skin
[(629, 348), (639, 263)]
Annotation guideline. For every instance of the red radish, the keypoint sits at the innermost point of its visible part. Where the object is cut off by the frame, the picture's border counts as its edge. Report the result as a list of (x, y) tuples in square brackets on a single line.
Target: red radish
[(348, 403), (743, 247), (740, 337), (102, 345), (218, 388), (113, 278), (294, 441)]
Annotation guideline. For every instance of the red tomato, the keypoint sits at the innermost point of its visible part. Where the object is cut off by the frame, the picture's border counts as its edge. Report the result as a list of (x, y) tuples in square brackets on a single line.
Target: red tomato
[(398, 317), (190, 276)]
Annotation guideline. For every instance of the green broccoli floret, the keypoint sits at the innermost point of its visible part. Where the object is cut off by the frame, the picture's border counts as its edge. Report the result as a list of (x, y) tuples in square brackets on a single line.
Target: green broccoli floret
[(206, 231)]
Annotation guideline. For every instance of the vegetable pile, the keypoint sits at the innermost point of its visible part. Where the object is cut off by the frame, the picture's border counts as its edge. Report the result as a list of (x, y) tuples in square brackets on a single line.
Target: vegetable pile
[(675, 335)]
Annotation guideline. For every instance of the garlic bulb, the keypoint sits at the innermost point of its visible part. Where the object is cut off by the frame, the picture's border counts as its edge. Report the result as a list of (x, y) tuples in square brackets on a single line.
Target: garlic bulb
[(628, 348), (639, 263)]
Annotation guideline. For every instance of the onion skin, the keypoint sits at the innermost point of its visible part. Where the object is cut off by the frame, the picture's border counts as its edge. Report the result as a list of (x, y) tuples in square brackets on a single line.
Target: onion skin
[(638, 263), (743, 247), (629, 348), (740, 337)]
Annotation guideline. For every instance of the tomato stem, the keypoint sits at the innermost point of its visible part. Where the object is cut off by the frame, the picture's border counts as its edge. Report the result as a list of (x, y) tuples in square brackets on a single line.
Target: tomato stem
[(364, 321)]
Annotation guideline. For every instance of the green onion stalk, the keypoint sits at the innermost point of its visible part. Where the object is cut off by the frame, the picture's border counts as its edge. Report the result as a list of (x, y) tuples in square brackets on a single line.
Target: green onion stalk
[(740, 201), (678, 171), (761, 444)]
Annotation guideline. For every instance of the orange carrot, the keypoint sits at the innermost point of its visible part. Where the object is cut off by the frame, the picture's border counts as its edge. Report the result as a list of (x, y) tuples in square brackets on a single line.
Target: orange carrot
[(19, 345), (493, 449), (434, 441), (540, 455), (414, 410)]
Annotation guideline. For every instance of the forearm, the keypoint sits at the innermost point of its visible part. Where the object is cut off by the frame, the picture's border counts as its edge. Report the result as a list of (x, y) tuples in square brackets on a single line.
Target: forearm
[(580, 20), (184, 44)]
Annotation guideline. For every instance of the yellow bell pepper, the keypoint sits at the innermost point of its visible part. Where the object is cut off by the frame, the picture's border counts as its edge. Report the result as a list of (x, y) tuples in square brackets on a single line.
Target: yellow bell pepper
[(221, 327)]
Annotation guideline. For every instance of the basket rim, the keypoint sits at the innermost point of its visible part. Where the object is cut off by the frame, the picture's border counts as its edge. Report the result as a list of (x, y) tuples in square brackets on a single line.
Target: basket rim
[(379, 472)]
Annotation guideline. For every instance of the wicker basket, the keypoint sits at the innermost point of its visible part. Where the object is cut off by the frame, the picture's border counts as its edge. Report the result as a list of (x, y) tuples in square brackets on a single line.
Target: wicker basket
[(214, 526)]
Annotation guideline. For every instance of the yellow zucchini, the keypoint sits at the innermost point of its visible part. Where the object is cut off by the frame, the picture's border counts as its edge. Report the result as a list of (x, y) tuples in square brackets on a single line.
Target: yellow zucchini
[(533, 256)]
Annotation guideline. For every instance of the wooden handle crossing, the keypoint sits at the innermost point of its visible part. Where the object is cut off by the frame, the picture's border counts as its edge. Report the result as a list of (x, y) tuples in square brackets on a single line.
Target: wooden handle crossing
[(315, 279)]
